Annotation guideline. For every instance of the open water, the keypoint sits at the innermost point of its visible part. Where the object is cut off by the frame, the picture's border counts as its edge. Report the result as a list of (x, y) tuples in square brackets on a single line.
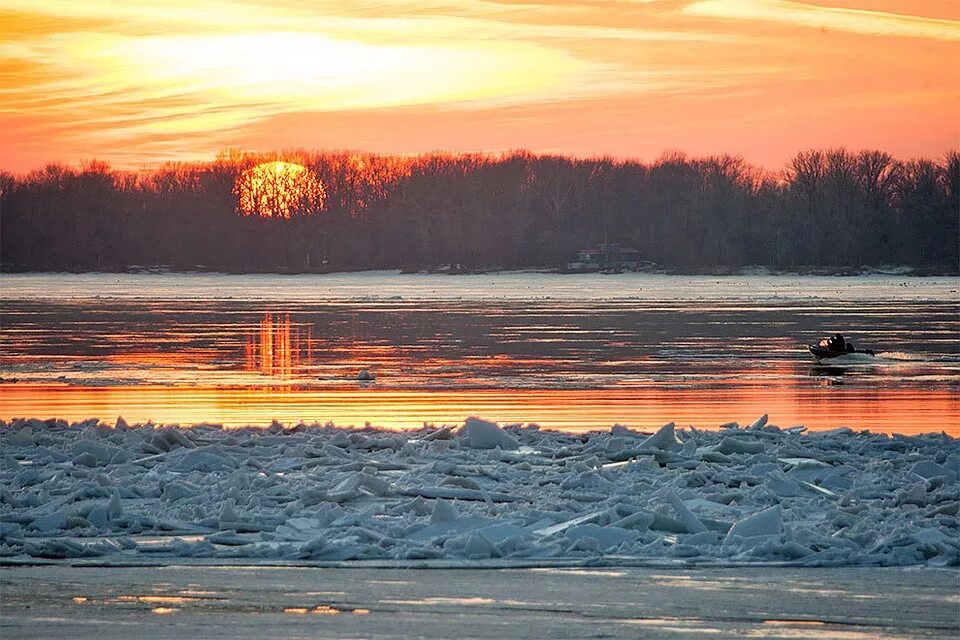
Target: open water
[(572, 352)]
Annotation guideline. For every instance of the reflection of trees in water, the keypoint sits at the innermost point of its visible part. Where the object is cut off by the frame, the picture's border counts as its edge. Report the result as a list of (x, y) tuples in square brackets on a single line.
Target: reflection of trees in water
[(278, 347)]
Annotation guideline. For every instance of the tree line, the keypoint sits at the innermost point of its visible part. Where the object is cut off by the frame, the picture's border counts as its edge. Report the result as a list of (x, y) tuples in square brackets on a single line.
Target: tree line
[(826, 208)]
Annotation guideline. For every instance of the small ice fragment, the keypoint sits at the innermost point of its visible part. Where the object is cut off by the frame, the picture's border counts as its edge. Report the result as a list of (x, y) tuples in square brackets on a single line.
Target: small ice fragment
[(759, 423), (207, 459), (797, 464), (665, 438), (86, 460), (9, 498), (606, 537), (563, 526), (458, 525), (228, 514), (640, 520), (457, 481), (443, 433), (50, 522), (927, 469), (115, 508), (617, 465), (175, 491), (497, 533), (374, 485), (313, 547), (174, 436), (949, 509), (818, 489), (443, 511), (766, 522), (731, 444), (228, 538), (690, 521), (479, 548), (929, 536), (482, 434), (913, 494), (586, 543), (709, 454), (365, 376), (663, 522), (703, 538), (620, 431), (950, 559), (20, 438), (839, 431), (952, 463), (99, 516), (783, 488)]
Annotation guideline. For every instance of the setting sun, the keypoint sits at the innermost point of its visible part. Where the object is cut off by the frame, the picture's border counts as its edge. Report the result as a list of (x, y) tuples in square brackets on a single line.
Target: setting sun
[(279, 190)]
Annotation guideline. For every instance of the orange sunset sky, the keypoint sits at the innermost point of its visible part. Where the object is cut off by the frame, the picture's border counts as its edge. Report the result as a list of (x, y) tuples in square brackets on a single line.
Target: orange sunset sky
[(137, 83)]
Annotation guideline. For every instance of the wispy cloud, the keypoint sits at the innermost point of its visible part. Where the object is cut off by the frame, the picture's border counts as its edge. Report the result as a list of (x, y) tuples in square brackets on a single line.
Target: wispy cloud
[(156, 79), (876, 23)]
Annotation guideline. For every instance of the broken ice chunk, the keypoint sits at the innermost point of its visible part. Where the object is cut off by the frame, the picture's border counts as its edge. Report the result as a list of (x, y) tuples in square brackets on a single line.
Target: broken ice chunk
[(443, 511), (783, 488), (665, 439), (482, 434), (50, 522), (563, 526), (731, 444), (690, 521), (639, 520), (208, 459), (497, 533), (606, 537), (99, 516), (227, 538), (763, 523), (927, 469)]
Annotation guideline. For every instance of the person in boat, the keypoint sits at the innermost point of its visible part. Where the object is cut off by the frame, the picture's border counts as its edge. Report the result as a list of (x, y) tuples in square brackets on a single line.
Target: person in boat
[(837, 343), (835, 346)]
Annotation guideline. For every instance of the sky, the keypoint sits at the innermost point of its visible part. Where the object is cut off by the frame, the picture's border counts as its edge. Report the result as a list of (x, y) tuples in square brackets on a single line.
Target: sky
[(137, 83)]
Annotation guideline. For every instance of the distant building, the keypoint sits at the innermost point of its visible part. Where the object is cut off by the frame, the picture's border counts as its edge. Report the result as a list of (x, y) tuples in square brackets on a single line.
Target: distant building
[(607, 257)]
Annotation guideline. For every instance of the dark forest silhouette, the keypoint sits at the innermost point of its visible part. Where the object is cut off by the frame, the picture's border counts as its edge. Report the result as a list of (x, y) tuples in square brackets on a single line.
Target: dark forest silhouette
[(830, 209)]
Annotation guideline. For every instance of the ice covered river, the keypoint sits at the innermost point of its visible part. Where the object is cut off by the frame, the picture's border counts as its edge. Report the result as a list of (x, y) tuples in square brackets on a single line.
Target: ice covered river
[(566, 351)]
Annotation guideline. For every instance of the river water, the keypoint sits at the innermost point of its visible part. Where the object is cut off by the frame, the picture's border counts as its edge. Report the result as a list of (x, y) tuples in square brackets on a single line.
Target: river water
[(565, 351)]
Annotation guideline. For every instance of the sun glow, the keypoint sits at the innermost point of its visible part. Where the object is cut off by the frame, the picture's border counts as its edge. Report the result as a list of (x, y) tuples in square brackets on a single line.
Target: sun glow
[(145, 81), (279, 190), (321, 72)]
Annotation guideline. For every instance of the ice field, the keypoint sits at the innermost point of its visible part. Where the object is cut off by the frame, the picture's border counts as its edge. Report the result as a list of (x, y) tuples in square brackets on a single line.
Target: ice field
[(476, 495)]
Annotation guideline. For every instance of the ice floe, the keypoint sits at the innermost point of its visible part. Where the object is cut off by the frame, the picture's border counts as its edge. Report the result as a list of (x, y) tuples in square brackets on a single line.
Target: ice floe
[(476, 493)]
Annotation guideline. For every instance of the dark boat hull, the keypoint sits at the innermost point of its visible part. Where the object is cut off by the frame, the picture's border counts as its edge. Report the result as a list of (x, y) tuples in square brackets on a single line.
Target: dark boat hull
[(821, 353)]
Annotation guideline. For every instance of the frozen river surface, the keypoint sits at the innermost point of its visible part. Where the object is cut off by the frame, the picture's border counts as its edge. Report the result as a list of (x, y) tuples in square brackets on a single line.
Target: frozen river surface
[(295, 602)]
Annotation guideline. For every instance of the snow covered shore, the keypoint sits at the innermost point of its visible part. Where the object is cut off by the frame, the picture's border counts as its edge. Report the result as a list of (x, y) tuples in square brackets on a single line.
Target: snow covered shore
[(477, 493)]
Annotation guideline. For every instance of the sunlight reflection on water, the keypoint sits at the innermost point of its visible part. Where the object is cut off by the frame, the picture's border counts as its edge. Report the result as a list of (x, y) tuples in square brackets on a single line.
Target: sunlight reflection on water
[(640, 350)]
